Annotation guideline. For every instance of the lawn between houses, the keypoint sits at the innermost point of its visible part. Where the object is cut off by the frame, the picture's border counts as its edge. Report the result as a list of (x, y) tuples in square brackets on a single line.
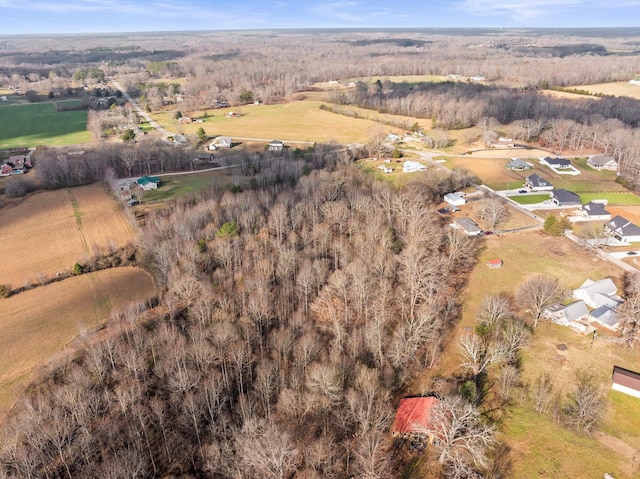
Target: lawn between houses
[(542, 447), (30, 125)]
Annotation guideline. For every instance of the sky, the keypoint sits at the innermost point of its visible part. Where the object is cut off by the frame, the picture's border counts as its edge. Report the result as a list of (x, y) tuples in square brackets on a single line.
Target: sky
[(95, 16)]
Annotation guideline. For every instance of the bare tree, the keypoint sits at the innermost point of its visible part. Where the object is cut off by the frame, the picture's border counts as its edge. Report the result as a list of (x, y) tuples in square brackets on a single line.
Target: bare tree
[(536, 293), (493, 212), (479, 353), (629, 316), (464, 438), (495, 308), (587, 402), (267, 450), (542, 392)]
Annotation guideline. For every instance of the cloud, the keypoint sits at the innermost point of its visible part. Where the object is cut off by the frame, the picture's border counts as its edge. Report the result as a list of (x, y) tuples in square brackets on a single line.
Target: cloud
[(516, 9)]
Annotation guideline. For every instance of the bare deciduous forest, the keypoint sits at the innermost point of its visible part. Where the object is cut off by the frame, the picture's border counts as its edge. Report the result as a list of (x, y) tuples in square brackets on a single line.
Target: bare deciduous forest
[(293, 316)]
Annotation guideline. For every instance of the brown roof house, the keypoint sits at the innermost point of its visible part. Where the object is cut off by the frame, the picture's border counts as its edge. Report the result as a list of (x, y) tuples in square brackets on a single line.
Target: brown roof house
[(626, 381), (413, 417)]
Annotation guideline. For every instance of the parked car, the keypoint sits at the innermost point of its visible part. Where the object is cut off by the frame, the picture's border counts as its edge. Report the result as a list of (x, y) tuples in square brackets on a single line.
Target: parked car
[(632, 253), (523, 191), (133, 202)]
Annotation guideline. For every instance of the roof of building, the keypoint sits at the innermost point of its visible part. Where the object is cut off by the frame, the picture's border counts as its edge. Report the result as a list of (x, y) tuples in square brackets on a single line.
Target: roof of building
[(605, 287), (537, 181), (565, 196), (605, 315), (143, 180), (601, 160), (468, 225), (557, 161), (453, 197), (626, 377), (494, 263), (414, 414), (595, 209), (519, 163), (575, 311), (623, 226)]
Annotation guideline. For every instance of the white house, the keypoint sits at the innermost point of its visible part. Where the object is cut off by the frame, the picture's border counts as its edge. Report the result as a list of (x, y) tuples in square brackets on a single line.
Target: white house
[(412, 167), (537, 183), (467, 226), (597, 293), (603, 163), (566, 315), (220, 143), (623, 230), (454, 200), (595, 210)]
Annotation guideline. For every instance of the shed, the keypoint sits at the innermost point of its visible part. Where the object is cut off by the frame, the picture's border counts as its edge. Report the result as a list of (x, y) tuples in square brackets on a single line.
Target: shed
[(494, 263), (626, 381), (414, 416), (454, 200)]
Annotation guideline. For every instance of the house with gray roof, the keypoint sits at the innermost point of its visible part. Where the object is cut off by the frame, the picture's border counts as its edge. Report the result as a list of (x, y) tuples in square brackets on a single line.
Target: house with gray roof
[(518, 164), (603, 163), (467, 226), (605, 316), (597, 293), (565, 315), (595, 210), (454, 200), (562, 197), (537, 183), (623, 230)]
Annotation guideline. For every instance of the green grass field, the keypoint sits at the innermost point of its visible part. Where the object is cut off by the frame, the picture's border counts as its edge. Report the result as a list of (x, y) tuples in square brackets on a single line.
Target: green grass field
[(181, 185), (530, 199), (615, 199), (40, 124)]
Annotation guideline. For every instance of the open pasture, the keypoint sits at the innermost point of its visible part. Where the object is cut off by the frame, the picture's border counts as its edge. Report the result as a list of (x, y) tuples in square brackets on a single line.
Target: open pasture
[(38, 323), (50, 231), (173, 186), (619, 88), (30, 125), (300, 120)]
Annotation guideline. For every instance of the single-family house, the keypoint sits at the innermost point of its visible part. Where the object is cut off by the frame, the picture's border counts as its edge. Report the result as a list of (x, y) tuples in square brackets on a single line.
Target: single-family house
[(597, 293), (518, 164), (556, 163), (392, 137), (412, 167), (502, 142), (385, 169), (220, 143), (537, 183), (6, 170), (603, 163), (467, 226), (204, 157), (595, 210), (623, 230), (179, 140), (413, 417), (184, 120), (19, 161), (454, 200), (477, 78), (565, 315), (494, 263), (148, 182), (562, 197), (626, 381), (276, 145), (605, 316)]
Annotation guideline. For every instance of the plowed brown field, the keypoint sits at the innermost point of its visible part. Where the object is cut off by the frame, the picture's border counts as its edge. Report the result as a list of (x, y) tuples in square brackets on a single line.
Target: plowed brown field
[(50, 231), (38, 323)]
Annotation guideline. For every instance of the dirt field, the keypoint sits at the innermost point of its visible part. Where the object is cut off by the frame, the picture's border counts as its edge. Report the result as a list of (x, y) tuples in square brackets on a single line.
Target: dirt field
[(50, 231), (37, 324), (632, 213)]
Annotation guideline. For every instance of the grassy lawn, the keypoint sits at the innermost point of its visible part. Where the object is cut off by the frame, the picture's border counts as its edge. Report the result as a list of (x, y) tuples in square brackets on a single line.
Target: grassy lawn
[(181, 185), (615, 199), (299, 120), (546, 449), (529, 199), (40, 124)]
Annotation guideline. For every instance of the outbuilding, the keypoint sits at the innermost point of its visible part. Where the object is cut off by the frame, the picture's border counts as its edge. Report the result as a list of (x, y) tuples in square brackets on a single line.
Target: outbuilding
[(626, 381)]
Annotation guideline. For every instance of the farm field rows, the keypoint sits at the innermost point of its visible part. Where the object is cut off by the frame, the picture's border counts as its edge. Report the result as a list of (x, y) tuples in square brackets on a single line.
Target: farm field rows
[(36, 324), (51, 230), (30, 125)]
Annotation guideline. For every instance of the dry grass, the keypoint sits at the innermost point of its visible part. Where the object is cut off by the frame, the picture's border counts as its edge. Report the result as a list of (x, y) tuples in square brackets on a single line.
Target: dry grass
[(49, 231), (620, 88), (37, 324), (298, 120)]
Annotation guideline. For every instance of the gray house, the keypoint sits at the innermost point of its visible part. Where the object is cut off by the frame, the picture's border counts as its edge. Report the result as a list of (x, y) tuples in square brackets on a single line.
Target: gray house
[(565, 315), (467, 226), (603, 163), (562, 197), (536, 183), (595, 210), (518, 164), (623, 230)]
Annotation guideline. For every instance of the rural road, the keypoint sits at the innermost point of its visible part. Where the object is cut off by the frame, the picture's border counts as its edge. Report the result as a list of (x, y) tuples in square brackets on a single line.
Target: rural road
[(143, 114)]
